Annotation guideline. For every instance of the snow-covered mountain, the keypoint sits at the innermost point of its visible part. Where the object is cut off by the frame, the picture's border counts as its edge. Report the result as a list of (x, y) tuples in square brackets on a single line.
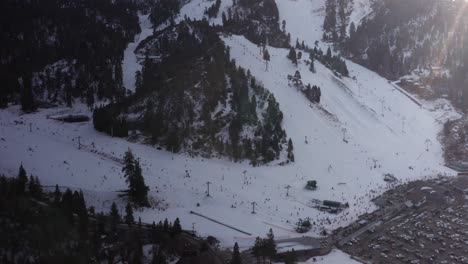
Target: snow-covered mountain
[(397, 38), (364, 127), (68, 52)]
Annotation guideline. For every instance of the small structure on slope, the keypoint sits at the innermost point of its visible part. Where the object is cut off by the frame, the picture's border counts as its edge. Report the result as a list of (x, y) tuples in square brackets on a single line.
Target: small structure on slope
[(311, 185)]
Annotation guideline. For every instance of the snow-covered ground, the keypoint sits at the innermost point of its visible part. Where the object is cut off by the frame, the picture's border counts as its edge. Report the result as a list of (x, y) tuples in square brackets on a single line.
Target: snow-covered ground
[(380, 122), (335, 257), (130, 63), (345, 171), (361, 9), (304, 19), (385, 130)]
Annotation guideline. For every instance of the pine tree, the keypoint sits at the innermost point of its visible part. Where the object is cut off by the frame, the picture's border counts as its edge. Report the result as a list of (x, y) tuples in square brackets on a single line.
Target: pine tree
[(328, 56), (253, 107), (266, 57), (57, 195), (158, 257), (342, 16), (223, 18), (352, 30), (166, 225), (139, 188), (129, 214), (138, 82), (292, 56), (154, 234), (176, 227), (38, 187), (137, 249), (27, 97), (82, 213), (68, 93), (22, 180), (114, 218), (129, 165), (329, 24), (290, 151), (66, 204), (3, 185), (32, 186), (90, 97), (312, 66), (138, 191), (291, 257), (236, 258), (270, 245), (258, 248)]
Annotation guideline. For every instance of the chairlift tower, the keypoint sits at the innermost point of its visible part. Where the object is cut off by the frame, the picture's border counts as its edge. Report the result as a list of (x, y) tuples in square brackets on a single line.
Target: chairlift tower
[(287, 189), (208, 189), (253, 207)]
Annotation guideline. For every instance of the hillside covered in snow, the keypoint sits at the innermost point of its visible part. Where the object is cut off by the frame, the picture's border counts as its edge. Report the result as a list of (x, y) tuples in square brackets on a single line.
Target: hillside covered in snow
[(364, 127)]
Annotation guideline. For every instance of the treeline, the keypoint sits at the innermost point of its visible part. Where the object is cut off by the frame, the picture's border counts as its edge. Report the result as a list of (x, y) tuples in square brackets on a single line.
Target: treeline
[(313, 93), (57, 51), (106, 119), (196, 99), (334, 62)]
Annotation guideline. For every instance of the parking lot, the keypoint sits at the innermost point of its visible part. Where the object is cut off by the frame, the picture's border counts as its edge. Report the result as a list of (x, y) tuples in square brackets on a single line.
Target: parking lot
[(419, 222)]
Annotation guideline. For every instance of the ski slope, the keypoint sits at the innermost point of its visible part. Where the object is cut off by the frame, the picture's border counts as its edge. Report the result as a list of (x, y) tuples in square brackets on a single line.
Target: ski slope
[(345, 171), (130, 63), (381, 124), (304, 19), (386, 133)]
